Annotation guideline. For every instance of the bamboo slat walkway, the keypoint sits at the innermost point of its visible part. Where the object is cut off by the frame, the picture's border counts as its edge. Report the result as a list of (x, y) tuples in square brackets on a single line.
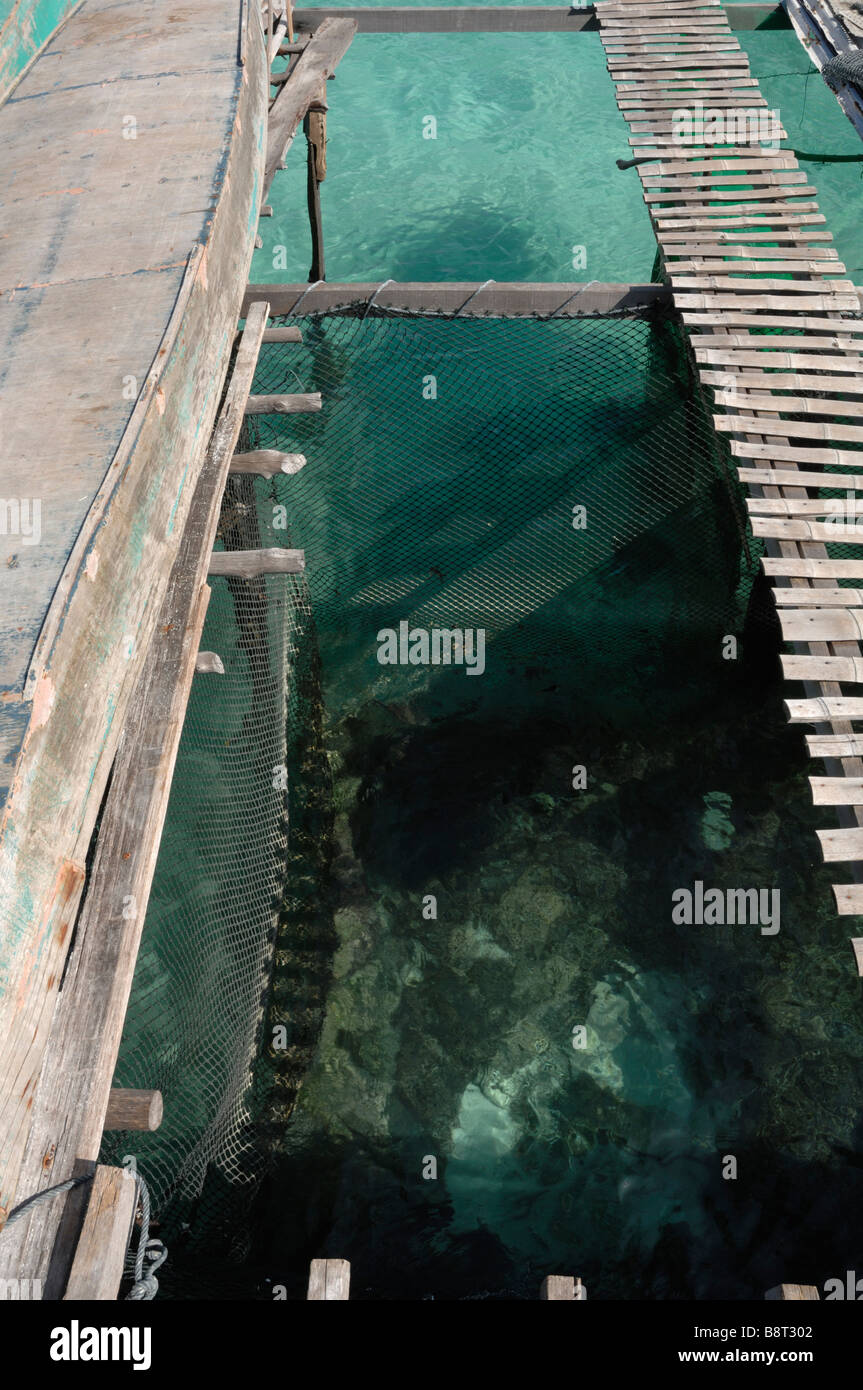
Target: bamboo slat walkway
[(769, 313)]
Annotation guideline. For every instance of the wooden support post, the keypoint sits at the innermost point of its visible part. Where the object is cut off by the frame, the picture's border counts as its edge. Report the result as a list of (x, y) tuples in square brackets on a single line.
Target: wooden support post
[(315, 129), (248, 564), (134, 1109), (283, 405), (267, 462), (793, 1292), (562, 1288), (319, 58), (330, 1280), (98, 1264), (209, 664), (857, 946)]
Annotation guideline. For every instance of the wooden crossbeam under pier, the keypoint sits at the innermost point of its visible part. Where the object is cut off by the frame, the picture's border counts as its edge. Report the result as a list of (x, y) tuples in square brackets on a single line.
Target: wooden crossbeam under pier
[(469, 299)]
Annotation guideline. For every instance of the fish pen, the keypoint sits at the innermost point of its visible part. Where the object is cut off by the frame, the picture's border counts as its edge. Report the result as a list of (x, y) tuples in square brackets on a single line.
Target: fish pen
[(412, 881)]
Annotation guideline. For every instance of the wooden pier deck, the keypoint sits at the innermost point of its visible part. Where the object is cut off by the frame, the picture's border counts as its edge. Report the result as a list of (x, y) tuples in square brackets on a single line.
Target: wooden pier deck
[(777, 333), (129, 211)]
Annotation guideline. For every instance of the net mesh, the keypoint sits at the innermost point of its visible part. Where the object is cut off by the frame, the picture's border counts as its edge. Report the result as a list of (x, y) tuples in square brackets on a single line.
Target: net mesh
[(556, 483)]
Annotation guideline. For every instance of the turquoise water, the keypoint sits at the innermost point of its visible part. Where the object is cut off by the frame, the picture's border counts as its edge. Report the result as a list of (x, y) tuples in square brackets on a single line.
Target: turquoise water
[(523, 167), (451, 1038)]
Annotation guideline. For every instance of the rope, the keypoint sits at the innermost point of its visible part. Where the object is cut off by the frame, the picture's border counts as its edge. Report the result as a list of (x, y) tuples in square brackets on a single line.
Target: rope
[(472, 295), (297, 302), (381, 286), (150, 1253), (570, 297), (44, 1195)]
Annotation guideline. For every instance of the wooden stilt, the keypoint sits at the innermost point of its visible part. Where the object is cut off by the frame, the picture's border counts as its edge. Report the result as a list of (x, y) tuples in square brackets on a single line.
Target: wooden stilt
[(315, 130)]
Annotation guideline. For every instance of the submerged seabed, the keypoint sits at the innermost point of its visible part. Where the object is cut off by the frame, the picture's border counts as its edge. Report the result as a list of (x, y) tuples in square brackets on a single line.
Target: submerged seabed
[(453, 1038)]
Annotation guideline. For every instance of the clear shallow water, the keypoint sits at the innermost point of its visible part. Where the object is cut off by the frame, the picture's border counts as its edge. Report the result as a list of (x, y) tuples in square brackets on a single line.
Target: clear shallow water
[(527, 131), (523, 167), (452, 1038)]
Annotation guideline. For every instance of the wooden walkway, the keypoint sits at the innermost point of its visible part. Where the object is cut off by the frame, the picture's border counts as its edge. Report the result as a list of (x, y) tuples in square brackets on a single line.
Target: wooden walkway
[(777, 334)]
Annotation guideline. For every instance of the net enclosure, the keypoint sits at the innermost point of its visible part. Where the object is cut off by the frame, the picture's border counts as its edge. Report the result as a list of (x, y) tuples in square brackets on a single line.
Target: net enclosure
[(554, 482)]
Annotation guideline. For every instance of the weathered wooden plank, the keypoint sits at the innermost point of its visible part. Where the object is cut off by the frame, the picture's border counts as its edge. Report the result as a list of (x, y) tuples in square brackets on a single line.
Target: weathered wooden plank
[(96, 642), (793, 1292), (837, 746), (823, 668), (857, 947), (98, 1265), (679, 198), (793, 405), (784, 361), (704, 250), (248, 564), (772, 342), (717, 301), (785, 381), (804, 567), (802, 530), (134, 1109), (821, 625), (831, 458), (799, 506), (837, 791), (72, 1096), (745, 163), (751, 229), (743, 215), (329, 1280), (806, 429), (824, 709), (315, 64), (817, 598), (839, 846), (509, 299), (849, 899), (775, 477), (705, 268)]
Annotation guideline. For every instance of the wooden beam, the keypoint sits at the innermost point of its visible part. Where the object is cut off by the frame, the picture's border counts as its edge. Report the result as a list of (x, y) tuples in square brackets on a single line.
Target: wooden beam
[(329, 1280), (497, 19), (283, 405), (793, 1292), (129, 1109), (315, 64), (209, 664), (267, 462), (469, 298), (71, 1099), (248, 564), (98, 1265), (562, 1288)]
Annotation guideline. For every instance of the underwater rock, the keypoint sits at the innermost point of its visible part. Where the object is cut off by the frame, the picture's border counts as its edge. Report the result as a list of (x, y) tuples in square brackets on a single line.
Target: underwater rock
[(474, 942), (483, 1130), (717, 828)]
